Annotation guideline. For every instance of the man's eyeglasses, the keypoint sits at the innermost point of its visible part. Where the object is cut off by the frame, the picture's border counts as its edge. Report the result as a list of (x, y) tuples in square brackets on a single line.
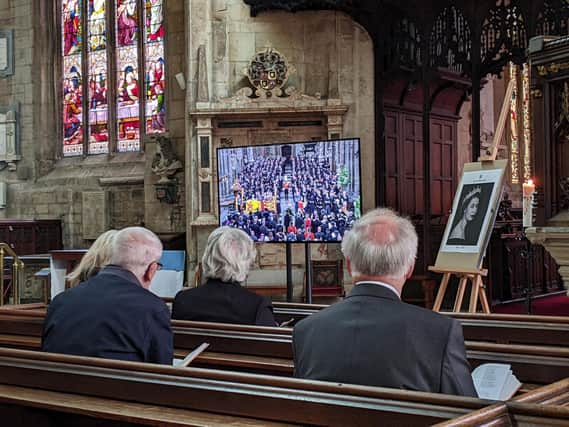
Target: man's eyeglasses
[(158, 265)]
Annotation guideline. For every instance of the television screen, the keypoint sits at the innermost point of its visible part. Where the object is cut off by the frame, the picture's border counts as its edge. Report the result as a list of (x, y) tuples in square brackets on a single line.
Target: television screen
[(291, 192)]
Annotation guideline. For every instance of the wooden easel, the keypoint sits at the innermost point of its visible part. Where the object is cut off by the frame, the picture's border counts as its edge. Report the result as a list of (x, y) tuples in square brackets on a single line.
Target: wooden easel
[(476, 292), (474, 276)]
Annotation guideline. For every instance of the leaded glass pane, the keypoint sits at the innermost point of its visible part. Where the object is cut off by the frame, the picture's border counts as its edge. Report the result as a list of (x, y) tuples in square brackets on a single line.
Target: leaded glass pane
[(71, 14), (154, 21), (98, 104), (98, 78), (128, 90), (72, 79), (97, 25), (155, 110), (127, 22)]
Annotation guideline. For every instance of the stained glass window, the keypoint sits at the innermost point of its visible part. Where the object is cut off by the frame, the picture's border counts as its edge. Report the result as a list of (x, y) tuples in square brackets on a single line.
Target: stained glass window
[(113, 74)]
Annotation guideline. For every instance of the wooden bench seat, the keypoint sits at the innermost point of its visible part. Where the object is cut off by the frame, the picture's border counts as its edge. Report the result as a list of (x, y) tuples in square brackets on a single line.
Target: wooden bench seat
[(38, 408), (229, 393), (269, 350)]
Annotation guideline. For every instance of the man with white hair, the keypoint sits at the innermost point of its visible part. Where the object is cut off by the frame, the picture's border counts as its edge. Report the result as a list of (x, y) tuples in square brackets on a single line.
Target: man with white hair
[(226, 261), (372, 337), (112, 314)]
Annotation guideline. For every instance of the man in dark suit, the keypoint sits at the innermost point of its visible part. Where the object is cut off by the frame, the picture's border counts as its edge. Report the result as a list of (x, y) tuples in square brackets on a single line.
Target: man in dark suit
[(372, 337), (227, 258), (112, 314)]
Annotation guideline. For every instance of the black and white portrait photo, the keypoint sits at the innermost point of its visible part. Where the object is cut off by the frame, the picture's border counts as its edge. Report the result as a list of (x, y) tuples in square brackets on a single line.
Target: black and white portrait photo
[(468, 219), (473, 209)]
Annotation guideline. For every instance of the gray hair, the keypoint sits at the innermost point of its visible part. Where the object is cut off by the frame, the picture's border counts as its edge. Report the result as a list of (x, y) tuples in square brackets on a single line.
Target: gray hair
[(134, 249), (228, 255), (381, 243)]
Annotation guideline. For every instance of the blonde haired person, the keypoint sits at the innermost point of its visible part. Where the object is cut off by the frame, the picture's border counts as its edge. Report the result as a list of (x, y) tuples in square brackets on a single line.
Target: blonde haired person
[(94, 259)]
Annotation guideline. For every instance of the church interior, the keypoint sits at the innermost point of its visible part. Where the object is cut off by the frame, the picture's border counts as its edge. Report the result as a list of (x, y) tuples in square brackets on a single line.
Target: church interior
[(289, 120)]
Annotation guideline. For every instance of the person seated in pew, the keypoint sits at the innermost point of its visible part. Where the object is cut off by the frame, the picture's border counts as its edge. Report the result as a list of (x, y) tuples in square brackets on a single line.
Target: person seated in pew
[(94, 259), (227, 258), (113, 314), (372, 337)]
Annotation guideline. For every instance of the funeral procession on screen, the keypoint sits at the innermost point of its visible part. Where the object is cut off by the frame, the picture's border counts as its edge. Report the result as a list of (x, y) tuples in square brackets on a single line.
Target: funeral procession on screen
[(291, 192)]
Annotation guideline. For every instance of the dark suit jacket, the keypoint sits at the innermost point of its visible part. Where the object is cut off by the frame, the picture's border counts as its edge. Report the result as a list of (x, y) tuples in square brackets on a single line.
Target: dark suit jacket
[(112, 316), (216, 301), (373, 338)]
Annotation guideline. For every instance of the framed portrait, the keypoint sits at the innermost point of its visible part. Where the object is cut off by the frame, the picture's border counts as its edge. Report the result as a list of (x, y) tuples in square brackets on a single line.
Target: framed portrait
[(473, 210), (472, 217)]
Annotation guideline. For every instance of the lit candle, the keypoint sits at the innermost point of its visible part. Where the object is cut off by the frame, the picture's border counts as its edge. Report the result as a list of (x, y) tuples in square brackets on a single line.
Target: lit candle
[(527, 203), (528, 188)]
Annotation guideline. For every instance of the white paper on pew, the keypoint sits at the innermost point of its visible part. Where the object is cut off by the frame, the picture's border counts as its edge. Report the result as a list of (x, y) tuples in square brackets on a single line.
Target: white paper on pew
[(181, 363), (495, 381), (57, 276)]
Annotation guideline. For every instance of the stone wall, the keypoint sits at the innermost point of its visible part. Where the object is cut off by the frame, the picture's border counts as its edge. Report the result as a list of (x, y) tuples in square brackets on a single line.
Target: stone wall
[(333, 58), (47, 186)]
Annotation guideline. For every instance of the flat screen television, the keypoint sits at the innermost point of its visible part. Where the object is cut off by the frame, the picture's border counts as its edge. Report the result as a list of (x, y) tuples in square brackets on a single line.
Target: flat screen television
[(291, 192)]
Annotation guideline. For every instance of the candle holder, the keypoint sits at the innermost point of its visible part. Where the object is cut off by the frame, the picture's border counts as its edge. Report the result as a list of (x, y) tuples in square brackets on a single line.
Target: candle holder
[(528, 254)]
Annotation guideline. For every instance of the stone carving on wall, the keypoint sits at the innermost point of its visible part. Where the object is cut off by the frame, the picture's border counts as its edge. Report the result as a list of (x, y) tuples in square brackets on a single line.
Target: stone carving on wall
[(203, 90), (165, 163), (9, 144), (289, 97), (268, 72), (6, 52)]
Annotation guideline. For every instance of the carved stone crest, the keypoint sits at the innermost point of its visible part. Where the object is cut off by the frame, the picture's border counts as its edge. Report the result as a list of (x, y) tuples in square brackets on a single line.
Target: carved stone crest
[(268, 72)]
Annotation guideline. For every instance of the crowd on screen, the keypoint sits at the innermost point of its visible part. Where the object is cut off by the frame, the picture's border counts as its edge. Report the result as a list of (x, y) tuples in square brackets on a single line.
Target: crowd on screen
[(310, 203)]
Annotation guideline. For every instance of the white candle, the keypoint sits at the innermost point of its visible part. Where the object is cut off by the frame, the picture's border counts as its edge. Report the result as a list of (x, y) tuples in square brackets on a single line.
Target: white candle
[(527, 203), (528, 188)]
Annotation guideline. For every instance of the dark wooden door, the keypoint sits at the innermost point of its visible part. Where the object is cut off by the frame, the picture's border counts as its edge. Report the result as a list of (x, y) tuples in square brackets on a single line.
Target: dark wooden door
[(404, 163)]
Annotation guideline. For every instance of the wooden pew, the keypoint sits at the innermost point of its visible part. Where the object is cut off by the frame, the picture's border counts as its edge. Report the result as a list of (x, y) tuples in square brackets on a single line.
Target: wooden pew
[(512, 414), (41, 408), (548, 405), (514, 328), (229, 393), (556, 394), (498, 328), (269, 350)]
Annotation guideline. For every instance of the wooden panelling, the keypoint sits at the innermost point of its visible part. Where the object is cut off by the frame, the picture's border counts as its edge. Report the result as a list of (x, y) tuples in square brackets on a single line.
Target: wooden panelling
[(31, 237), (404, 151)]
